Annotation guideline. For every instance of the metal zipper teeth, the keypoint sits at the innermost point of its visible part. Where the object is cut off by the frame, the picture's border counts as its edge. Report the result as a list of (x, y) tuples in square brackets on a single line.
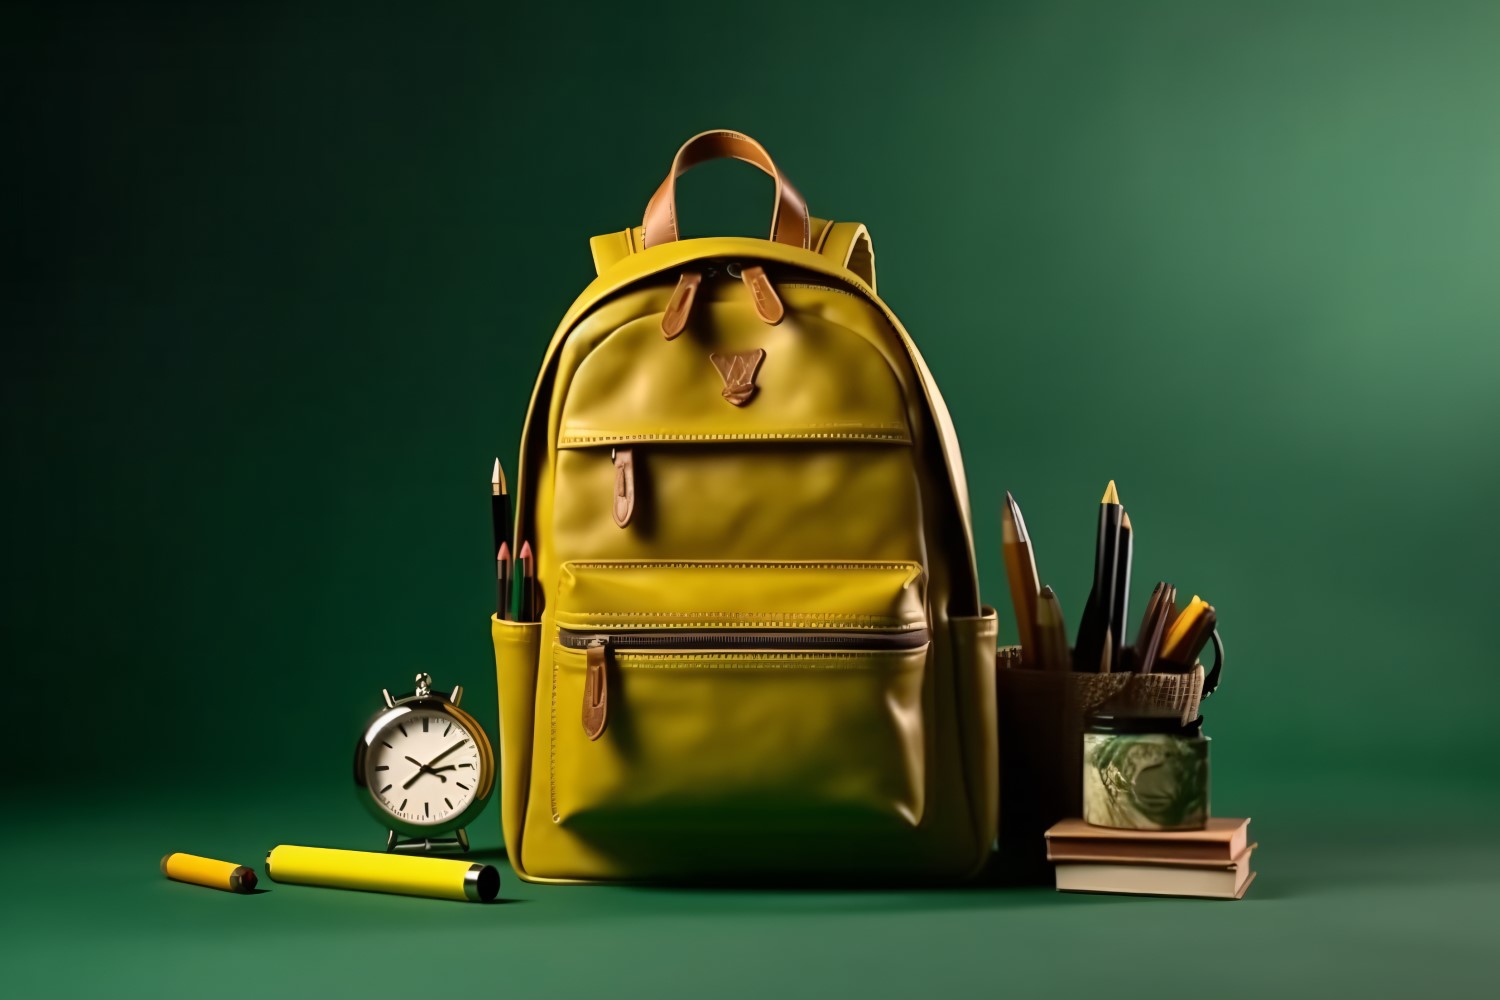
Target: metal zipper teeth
[(725, 639)]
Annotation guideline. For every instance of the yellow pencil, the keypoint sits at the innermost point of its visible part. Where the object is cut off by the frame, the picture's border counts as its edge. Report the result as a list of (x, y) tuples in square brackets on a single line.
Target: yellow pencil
[(1177, 647), (224, 875)]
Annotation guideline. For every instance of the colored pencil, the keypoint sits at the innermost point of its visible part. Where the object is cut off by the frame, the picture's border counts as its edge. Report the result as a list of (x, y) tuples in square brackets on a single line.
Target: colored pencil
[(502, 583), (525, 574)]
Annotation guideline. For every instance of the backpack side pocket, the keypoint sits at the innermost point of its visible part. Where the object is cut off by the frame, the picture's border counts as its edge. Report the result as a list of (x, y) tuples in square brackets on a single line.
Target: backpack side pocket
[(974, 641), (517, 646)]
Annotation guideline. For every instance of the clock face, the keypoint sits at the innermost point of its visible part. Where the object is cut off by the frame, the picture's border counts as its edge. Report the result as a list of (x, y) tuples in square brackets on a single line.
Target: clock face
[(423, 767)]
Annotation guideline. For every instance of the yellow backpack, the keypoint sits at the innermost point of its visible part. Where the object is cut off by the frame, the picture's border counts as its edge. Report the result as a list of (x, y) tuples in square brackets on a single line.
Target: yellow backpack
[(761, 650)]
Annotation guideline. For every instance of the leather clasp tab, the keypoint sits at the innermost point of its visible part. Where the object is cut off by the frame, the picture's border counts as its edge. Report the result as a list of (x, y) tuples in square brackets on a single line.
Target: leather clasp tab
[(680, 305), (596, 690), (624, 500), (767, 303)]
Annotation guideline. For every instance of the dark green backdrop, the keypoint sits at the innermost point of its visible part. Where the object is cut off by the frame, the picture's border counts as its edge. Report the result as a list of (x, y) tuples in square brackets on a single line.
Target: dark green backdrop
[(278, 281)]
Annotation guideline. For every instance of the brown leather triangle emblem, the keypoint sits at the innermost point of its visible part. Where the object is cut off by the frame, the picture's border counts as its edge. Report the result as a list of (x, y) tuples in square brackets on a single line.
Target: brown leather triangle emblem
[(738, 372)]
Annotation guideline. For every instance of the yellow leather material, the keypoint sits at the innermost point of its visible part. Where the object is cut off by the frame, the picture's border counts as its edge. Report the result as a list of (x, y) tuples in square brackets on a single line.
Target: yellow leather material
[(819, 519), (638, 594), (516, 650), (611, 248), (829, 740)]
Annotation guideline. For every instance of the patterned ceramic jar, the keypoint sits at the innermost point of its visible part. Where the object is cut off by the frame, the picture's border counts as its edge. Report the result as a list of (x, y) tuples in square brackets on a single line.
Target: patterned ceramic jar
[(1145, 772)]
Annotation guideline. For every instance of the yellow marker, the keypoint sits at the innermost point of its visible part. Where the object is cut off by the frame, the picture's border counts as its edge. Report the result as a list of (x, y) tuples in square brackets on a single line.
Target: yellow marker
[(206, 871), (437, 878)]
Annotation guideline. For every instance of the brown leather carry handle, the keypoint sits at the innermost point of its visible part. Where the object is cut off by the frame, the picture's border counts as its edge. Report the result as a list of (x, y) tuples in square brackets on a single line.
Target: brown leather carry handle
[(788, 221)]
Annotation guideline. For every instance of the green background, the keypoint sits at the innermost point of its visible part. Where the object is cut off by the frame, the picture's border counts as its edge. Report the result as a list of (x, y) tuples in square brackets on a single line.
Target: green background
[(278, 280)]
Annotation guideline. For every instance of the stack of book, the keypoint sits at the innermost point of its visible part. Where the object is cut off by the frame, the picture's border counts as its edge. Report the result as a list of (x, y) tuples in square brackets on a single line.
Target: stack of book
[(1213, 862)]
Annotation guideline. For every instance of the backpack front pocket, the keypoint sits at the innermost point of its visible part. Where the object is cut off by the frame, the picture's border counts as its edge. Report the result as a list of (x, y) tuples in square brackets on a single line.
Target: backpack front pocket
[(803, 709)]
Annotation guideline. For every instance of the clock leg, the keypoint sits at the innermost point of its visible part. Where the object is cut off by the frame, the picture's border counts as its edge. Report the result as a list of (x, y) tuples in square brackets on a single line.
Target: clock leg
[(390, 842), (463, 841)]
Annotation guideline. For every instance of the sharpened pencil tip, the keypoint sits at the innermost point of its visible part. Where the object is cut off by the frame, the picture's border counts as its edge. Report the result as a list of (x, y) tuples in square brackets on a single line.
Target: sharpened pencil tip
[(497, 480), (1125, 522), (1111, 495), (525, 551), (504, 555)]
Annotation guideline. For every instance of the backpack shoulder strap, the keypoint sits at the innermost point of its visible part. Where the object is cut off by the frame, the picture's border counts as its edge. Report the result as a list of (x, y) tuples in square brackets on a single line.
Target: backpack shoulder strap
[(848, 245)]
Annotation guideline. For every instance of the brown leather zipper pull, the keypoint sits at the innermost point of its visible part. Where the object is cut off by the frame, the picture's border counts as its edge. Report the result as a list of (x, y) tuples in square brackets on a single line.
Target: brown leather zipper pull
[(763, 294), (596, 690), (680, 305), (624, 503)]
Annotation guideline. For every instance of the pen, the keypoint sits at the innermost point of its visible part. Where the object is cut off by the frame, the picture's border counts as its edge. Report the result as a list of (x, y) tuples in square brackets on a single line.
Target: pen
[(1020, 570)]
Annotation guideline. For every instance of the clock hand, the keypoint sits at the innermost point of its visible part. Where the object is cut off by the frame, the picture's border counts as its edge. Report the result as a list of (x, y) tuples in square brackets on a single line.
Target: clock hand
[(445, 752), (427, 769)]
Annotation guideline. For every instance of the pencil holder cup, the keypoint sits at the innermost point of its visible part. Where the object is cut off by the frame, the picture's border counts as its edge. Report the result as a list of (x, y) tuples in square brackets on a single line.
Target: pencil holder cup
[(1042, 715)]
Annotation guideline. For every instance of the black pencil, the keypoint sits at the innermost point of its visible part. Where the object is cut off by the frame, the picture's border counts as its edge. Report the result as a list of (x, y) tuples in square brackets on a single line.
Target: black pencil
[(499, 508), (1088, 647), (1120, 615)]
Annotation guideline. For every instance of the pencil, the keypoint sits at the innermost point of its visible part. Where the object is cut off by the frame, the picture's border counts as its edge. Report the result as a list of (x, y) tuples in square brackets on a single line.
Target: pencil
[(1143, 634), (499, 508), (1195, 638), (1101, 602), (526, 584), (1120, 615), (1051, 634), (502, 583), (1153, 630), (1020, 570), (1188, 627)]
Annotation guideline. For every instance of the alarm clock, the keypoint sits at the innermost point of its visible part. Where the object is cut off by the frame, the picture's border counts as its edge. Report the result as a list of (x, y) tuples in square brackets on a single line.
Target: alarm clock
[(424, 769)]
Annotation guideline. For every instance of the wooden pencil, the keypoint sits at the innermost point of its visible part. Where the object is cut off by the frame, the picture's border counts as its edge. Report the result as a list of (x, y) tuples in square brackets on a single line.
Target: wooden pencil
[(1020, 571), (1143, 634), (1052, 651)]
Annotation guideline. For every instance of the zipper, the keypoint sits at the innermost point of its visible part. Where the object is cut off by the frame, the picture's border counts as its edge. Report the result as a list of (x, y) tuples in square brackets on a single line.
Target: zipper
[(719, 640), (596, 647)]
